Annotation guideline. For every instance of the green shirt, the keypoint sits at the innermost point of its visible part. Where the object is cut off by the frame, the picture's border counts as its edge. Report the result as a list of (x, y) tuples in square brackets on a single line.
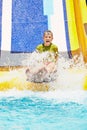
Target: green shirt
[(51, 48)]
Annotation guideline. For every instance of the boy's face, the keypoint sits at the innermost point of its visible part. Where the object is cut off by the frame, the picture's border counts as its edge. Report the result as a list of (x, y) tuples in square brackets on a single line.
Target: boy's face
[(48, 37)]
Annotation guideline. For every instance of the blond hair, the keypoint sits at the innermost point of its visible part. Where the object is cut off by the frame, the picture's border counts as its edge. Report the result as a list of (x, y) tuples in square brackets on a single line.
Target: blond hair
[(48, 31)]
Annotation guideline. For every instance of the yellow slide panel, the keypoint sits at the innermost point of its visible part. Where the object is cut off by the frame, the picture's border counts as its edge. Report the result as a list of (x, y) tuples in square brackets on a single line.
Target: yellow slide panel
[(85, 83), (83, 10), (80, 28), (84, 14), (17, 80), (72, 25)]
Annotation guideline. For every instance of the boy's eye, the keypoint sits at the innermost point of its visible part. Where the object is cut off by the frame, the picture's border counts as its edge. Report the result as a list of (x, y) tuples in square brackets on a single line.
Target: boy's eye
[(47, 37)]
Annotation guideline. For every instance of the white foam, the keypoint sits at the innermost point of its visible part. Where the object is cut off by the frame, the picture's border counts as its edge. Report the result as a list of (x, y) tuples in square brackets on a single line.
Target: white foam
[(67, 87), (57, 96)]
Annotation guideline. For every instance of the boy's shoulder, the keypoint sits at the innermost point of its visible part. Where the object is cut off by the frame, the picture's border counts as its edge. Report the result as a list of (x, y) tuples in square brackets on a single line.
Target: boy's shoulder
[(54, 45), (40, 45)]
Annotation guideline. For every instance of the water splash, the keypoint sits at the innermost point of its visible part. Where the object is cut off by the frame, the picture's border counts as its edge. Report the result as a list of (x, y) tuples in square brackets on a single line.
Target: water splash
[(70, 72), (39, 67), (69, 83)]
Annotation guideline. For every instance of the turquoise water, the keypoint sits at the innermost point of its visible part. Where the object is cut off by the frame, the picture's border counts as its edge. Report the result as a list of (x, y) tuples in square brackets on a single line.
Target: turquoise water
[(43, 111)]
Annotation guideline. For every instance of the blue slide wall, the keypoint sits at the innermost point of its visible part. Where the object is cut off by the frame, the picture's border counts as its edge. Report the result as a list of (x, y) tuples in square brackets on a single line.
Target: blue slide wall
[(66, 29), (28, 25)]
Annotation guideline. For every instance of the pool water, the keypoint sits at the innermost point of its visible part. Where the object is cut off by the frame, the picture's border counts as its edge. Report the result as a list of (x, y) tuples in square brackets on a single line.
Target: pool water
[(36, 112)]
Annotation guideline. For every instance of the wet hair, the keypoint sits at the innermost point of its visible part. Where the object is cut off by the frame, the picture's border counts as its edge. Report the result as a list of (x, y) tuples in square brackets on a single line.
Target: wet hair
[(48, 31)]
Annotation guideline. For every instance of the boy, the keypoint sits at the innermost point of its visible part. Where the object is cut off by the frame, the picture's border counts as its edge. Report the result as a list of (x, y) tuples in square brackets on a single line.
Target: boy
[(49, 63), (48, 45)]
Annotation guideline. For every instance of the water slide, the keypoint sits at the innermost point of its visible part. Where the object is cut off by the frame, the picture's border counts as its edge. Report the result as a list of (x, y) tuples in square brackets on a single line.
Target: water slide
[(24, 20)]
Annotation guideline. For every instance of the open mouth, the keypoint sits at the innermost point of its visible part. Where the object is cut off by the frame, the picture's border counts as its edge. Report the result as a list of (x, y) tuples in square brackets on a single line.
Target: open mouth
[(47, 41)]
